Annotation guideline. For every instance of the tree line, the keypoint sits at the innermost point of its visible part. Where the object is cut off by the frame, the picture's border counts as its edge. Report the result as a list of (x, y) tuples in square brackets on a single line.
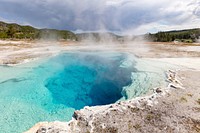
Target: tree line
[(15, 31), (189, 36)]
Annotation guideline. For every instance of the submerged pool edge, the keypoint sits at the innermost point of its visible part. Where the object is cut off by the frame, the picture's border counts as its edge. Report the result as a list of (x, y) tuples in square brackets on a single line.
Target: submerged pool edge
[(87, 114), (128, 88)]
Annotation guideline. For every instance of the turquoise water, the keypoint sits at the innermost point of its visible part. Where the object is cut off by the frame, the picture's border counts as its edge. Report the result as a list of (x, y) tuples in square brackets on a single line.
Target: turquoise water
[(52, 89)]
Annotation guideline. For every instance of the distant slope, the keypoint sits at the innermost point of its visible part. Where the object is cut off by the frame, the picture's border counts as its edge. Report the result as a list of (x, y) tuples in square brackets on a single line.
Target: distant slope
[(188, 35), (98, 37), (15, 31)]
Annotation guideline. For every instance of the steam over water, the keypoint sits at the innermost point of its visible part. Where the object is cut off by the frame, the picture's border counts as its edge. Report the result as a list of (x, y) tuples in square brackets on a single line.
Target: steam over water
[(52, 89)]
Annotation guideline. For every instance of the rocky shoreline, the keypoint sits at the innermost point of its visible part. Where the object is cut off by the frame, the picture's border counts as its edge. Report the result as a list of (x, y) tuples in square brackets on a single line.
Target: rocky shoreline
[(143, 114)]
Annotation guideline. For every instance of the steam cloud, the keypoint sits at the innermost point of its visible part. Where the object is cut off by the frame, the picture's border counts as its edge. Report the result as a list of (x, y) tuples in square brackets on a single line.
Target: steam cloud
[(127, 16)]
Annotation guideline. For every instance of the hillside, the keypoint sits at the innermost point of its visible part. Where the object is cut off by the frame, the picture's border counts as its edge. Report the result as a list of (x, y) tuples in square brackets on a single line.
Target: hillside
[(188, 36), (15, 31), (98, 37)]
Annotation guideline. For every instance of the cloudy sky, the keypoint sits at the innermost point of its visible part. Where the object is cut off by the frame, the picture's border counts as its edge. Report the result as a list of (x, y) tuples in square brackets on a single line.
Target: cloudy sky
[(120, 16)]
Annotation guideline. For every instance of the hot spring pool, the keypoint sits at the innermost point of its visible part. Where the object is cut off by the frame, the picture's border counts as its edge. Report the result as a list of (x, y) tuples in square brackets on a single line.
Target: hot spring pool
[(88, 79), (52, 89)]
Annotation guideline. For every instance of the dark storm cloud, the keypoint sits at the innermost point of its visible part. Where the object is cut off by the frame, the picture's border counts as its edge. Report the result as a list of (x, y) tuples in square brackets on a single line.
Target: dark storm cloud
[(92, 15)]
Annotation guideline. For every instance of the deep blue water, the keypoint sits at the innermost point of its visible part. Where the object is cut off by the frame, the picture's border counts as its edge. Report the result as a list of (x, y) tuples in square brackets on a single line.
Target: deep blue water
[(52, 89), (88, 79)]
